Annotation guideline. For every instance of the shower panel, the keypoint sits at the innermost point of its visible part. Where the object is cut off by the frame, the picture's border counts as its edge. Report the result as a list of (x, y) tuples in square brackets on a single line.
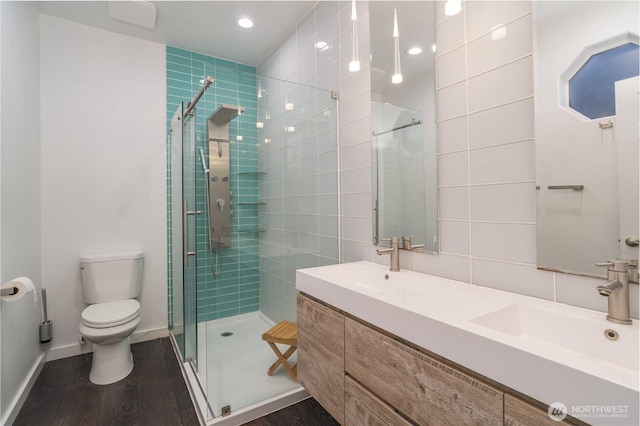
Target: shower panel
[(220, 204)]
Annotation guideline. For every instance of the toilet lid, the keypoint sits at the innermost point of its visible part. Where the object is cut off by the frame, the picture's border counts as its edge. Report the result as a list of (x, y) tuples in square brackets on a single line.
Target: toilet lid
[(110, 314)]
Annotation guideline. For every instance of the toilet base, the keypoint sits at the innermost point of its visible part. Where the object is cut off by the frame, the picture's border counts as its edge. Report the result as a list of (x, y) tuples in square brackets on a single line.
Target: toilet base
[(111, 363)]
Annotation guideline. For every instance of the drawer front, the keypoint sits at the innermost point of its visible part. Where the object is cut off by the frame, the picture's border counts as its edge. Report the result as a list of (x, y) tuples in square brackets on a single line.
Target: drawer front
[(424, 389), (321, 354), (520, 413), (362, 408)]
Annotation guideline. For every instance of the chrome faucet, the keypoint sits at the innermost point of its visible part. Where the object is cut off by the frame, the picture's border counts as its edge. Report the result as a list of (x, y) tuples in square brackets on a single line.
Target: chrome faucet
[(394, 251), (617, 290)]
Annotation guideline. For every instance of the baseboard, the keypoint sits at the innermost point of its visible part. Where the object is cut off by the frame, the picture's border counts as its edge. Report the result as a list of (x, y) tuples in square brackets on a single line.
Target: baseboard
[(21, 397), (150, 334), (78, 349)]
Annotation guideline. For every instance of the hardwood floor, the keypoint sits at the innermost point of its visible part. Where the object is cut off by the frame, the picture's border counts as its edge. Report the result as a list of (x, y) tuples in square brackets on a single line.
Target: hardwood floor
[(305, 413), (153, 394)]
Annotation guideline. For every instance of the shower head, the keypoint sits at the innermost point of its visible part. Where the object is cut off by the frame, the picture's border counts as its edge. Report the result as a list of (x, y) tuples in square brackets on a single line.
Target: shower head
[(207, 81)]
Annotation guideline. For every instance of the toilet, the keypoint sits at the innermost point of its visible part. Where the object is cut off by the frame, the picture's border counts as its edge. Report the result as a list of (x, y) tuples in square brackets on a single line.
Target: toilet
[(110, 284)]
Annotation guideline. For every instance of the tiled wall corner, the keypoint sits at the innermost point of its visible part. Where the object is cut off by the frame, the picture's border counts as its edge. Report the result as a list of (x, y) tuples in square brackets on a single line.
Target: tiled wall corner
[(235, 291)]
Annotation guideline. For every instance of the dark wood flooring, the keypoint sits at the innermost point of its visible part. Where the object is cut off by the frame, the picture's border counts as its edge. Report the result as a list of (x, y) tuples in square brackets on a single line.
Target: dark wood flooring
[(304, 413), (153, 394)]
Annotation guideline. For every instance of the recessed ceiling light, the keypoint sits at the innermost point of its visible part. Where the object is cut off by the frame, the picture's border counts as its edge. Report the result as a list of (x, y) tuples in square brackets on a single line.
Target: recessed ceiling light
[(245, 22), (415, 50)]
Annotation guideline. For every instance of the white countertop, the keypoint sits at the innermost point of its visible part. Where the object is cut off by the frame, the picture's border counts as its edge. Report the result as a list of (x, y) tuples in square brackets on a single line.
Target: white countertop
[(441, 315)]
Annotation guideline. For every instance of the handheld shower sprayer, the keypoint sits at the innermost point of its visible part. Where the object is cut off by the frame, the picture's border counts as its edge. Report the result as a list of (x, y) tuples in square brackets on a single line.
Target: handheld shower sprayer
[(204, 163)]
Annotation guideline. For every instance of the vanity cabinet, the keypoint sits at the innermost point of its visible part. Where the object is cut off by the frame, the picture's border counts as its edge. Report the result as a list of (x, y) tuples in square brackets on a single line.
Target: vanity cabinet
[(363, 408), (422, 388), (364, 376), (321, 354)]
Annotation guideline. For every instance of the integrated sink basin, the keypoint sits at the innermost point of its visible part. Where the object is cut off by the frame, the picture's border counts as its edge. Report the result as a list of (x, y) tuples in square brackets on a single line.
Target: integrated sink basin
[(549, 351), (605, 342), (360, 277)]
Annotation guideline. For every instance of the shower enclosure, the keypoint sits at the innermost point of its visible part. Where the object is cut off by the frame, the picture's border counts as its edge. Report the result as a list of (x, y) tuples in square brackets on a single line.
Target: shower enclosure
[(280, 148)]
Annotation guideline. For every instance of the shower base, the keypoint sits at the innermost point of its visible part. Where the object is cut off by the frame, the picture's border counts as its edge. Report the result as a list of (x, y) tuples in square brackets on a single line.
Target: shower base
[(232, 370)]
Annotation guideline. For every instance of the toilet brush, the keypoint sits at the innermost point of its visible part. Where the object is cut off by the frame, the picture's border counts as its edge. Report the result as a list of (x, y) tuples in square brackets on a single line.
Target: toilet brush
[(46, 328)]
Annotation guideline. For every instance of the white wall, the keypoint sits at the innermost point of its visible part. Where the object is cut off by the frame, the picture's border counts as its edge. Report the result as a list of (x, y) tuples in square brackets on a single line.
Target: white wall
[(103, 164), (486, 157), (19, 197)]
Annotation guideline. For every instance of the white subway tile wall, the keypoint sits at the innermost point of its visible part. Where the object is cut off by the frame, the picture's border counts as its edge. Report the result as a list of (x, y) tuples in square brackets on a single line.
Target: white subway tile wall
[(486, 147), (301, 180)]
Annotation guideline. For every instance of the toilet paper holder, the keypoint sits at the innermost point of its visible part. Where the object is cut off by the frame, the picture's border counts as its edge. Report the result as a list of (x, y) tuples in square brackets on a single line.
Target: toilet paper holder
[(9, 291)]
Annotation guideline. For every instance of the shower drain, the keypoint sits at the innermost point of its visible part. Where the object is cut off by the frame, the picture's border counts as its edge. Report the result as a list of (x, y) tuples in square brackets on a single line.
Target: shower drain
[(226, 334)]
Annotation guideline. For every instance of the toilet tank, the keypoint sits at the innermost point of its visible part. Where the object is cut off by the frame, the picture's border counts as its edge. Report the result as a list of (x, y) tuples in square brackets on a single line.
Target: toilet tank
[(111, 277)]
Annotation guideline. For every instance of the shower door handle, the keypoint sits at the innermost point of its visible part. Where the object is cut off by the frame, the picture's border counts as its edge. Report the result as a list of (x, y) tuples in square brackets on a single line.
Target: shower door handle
[(185, 232)]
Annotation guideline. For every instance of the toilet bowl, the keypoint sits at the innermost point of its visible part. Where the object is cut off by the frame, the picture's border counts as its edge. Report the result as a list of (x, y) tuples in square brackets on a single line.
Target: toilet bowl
[(110, 284), (108, 326)]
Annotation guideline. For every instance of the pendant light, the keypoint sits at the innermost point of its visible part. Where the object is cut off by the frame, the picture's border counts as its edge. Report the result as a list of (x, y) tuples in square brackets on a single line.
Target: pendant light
[(354, 65), (397, 73), (452, 7)]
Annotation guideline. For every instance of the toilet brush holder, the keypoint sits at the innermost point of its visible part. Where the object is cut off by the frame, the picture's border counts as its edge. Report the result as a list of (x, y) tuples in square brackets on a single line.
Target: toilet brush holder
[(46, 327), (46, 331)]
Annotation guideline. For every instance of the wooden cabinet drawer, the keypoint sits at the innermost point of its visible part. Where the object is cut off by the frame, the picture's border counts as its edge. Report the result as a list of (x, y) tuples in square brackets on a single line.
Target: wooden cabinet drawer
[(321, 354), (362, 408), (520, 413), (424, 389)]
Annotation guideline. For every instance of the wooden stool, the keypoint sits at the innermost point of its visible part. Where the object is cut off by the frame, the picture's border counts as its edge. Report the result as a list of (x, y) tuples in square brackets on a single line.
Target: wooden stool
[(284, 332)]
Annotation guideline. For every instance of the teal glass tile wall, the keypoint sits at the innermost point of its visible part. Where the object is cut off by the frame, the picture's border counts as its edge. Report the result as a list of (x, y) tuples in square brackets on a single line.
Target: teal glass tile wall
[(234, 289)]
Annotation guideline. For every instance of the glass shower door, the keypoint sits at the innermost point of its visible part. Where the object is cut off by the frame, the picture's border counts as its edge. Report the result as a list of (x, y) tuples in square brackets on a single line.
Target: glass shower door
[(189, 238), (176, 317), (183, 233)]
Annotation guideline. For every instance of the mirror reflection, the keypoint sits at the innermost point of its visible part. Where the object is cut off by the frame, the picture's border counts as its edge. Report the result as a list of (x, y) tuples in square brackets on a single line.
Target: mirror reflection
[(403, 122), (586, 134)]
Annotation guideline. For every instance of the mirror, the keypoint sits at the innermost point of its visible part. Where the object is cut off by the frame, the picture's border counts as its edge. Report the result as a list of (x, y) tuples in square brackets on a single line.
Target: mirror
[(405, 201), (586, 109)]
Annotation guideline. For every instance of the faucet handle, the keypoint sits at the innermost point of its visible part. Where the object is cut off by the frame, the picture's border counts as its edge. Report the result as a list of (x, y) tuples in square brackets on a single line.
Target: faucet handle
[(392, 240), (406, 242), (619, 265)]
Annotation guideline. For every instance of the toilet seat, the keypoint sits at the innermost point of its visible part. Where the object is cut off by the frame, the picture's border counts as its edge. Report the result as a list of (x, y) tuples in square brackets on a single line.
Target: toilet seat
[(110, 314)]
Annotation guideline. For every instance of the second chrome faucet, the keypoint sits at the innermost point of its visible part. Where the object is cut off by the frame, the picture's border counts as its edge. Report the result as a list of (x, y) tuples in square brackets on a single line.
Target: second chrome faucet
[(394, 250), (617, 291)]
